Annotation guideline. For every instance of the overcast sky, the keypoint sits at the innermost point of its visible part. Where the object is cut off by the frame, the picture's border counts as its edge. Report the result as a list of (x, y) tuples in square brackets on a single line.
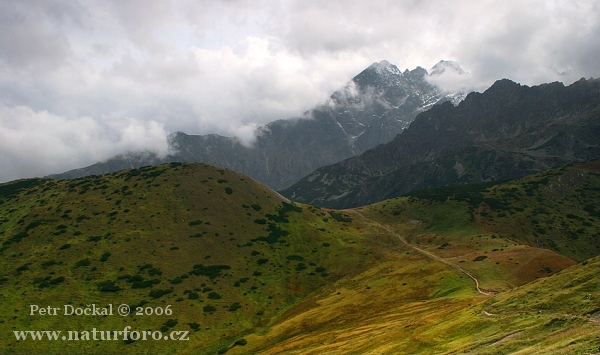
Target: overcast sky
[(81, 81)]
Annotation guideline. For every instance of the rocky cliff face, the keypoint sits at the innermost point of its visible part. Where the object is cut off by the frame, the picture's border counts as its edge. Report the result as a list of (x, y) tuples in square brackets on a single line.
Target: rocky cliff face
[(371, 109), (506, 132)]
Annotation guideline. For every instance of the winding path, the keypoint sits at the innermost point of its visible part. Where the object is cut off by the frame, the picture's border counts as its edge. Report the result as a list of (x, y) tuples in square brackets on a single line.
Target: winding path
[(429, 254)]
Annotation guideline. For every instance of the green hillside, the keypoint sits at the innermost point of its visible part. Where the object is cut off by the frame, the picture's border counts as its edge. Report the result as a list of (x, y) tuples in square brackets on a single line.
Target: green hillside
[(555, 209), (227, 253), (245, 271), (373, 313), (422, 299)]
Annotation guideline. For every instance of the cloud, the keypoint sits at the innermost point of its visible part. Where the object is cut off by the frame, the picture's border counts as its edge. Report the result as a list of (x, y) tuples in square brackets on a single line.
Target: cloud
[(133, 69), (34, 143)]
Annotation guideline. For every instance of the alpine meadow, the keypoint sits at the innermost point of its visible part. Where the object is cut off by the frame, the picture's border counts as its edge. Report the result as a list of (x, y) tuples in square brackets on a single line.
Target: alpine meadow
[(300, 177), (487, 268)]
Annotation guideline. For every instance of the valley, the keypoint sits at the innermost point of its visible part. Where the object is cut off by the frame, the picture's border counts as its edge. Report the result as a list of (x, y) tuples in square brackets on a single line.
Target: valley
[(488, 268), (299, 177)]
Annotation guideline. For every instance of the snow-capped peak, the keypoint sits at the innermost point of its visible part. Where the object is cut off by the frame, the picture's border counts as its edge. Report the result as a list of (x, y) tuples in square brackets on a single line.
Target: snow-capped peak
[(385, 68), (446, 66)]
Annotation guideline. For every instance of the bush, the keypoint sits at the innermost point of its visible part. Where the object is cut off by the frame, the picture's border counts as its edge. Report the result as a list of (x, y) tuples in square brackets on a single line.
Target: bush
[(160, 293), (46, 264), (83, 262), (57, 280), (256, 207), (195, 326), (274, 234), (235, 306), (170, 323), (340, 217), (154, 272), (480, 258), (176, 281), (105, 256), (214, 296), (212, 271), (108, 286), (48, 281), (209, 309), (241, 342), (145, 266), (144, 283)]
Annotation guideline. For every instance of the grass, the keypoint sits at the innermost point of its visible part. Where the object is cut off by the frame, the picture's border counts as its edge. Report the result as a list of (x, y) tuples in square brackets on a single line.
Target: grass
[(183, 234), (348, 318), (128, 237)]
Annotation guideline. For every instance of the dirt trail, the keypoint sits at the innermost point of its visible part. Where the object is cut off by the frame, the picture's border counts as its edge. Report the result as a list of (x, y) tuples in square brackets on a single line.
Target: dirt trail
[(429, 254), (510, 336)]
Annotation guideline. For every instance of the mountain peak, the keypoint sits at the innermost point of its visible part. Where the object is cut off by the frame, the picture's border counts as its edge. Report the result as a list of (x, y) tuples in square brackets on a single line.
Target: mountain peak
[(446, 66), (384, 68), (503, 84), (381, 65), (384, 63)]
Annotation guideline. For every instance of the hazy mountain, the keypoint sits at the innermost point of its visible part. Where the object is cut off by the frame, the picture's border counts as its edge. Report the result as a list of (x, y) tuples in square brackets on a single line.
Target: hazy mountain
[(508, 131), (370, 110)]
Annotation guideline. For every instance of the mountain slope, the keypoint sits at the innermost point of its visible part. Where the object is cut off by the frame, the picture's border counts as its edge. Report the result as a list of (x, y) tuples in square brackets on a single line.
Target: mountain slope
[(371, 109), (244, 271), (227, 253), (508, 131), (410, 303), (352, 317)]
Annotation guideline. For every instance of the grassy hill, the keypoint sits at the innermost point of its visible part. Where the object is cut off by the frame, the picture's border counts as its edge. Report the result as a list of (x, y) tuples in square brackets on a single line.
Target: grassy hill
[(373, 313), (422, 300), (245, 271), (227, 253)]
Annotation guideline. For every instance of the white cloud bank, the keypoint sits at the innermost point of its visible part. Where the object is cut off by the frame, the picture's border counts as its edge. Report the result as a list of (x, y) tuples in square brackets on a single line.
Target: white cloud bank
[(81, 81)]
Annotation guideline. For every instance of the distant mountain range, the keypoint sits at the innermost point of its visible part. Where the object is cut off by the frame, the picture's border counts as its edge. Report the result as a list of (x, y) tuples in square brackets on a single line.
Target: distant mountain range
[(508, 131), (371, 109)]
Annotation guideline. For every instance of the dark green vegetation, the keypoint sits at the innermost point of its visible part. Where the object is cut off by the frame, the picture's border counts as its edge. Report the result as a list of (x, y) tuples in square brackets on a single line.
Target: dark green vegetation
[(178, 234), (247, 272), (555, 209), (506, 132)]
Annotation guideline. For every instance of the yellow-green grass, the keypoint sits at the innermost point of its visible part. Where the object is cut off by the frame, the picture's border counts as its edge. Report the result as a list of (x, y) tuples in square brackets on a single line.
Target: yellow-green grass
[(542, 317), (306, 279), (555, 209), (383, 309), (158, 224)]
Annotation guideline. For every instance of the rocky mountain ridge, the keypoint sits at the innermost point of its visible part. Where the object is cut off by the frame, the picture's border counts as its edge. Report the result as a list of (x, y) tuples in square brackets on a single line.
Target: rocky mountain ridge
[(508, 131), (371, 109)]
